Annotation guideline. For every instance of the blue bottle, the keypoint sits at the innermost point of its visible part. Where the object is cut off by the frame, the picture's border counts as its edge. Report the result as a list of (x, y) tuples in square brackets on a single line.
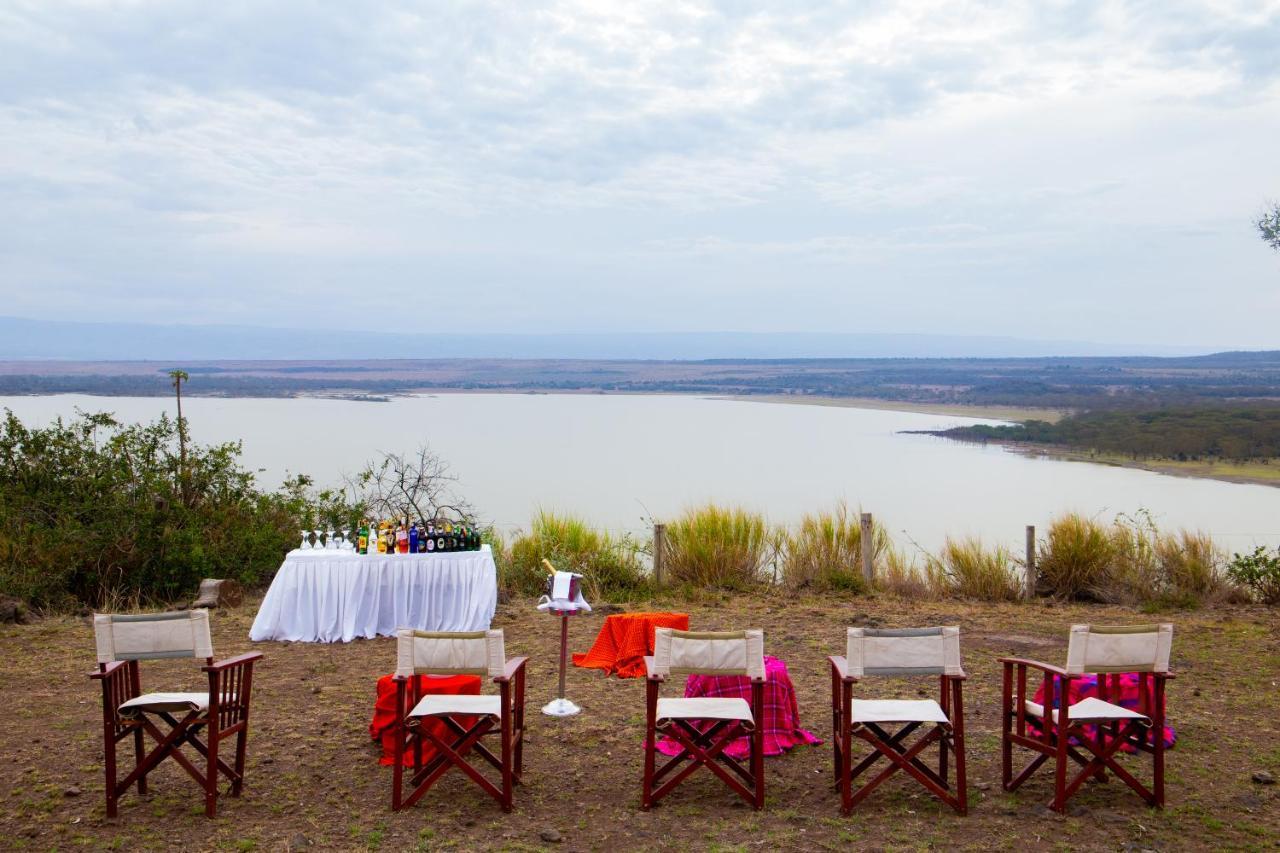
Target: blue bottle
[(413, 538)]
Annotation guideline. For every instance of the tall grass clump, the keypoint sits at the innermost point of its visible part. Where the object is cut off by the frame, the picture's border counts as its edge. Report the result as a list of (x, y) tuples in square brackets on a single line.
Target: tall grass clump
[(967, 568), (610, 566), (898, 575), (1135, 568), (718, 547), (1191, 566), (825, 551), (1076, 558)]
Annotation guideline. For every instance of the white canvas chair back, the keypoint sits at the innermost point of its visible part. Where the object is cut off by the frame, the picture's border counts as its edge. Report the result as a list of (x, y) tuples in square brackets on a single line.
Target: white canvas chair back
[(903, 651), (708, 652), (450, 652), (152, 636), (1126, 648)]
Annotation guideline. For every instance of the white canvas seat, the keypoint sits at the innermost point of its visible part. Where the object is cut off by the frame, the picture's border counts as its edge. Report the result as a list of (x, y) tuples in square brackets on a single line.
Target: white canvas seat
[(1091, 708), (898, 711), (885, 724), (464, 720), (479, 706), (1095, 730), (155, 703), (123, 640), (704, 726), (705, 708)]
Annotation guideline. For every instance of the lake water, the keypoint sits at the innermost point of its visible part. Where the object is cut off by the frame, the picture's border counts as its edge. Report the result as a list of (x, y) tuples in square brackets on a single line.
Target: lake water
[(619, 460)]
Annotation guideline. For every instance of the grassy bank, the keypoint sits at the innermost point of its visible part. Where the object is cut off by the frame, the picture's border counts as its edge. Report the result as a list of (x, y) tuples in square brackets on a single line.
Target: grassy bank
[(314, 779)]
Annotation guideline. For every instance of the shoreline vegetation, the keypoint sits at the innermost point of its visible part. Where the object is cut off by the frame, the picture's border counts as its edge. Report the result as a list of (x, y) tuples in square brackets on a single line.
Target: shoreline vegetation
[(96, 513)]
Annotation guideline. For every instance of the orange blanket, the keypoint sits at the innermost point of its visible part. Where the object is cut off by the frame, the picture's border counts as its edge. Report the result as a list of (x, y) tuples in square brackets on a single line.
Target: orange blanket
[(384, 711), (624, 640)]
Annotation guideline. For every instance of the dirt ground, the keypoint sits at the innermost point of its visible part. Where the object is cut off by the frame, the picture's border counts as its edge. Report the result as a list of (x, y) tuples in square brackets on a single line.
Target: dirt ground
[(314, 780)]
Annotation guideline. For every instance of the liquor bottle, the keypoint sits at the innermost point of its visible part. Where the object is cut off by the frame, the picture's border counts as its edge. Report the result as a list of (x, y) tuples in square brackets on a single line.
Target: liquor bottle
[(402, 538), (413, 538), (362, 541), (440, 540), (431, 537)]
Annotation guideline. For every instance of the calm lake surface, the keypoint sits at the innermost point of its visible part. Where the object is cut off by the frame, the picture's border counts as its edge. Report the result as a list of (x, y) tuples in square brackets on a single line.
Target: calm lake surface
[(618, 460)]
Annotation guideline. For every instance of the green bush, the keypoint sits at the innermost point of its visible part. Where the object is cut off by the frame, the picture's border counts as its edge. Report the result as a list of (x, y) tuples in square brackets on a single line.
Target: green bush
[(966, 568), (610, 567), (825, 551), (1258, 572), (1076, 558), (718, 547), (92, 511)]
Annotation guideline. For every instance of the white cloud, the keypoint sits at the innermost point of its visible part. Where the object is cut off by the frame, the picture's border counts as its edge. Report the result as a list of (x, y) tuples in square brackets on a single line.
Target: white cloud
[(554, 161)]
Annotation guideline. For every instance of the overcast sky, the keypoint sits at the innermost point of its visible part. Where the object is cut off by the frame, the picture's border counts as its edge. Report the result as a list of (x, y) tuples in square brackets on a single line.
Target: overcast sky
[(1083, 171)]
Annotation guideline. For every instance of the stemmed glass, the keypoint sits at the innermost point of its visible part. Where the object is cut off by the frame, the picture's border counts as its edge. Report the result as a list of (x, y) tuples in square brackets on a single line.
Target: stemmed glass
[(337, 540), (306, 541)]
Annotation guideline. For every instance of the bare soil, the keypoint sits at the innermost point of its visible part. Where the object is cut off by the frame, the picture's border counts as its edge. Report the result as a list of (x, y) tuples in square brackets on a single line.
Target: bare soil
[(314, 781)]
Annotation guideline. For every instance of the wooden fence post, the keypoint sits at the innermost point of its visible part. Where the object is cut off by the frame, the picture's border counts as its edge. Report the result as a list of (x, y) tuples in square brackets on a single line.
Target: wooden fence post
[(868, 551), (659, 550), (1031, 562)]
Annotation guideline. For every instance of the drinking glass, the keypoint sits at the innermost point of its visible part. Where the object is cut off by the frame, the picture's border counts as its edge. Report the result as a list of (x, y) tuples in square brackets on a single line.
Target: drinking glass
[(306, 541), (337, 540)]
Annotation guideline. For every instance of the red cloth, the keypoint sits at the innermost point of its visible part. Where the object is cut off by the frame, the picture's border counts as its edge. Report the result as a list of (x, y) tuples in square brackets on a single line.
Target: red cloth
[(624, 640), (781, 711), (382, 727)]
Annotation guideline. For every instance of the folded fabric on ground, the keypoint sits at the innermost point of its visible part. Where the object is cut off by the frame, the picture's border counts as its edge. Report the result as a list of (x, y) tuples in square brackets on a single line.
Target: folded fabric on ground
[(781, 710), (1129, 698), (624, 640), (382, 727)]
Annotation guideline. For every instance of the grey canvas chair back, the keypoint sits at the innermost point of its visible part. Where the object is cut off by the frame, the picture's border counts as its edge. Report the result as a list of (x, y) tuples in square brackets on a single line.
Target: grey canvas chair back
[(903, 651), (450, 652), (709, 652), (152, 636), (1128, 648)]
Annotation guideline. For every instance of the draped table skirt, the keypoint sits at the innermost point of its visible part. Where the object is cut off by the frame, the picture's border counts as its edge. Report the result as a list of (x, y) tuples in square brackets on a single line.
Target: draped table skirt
[(335, 596)]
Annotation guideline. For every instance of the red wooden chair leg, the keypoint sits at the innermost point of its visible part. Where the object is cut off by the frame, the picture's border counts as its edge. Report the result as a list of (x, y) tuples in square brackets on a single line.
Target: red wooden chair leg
[(957, 734), (650, 744), (211, 779)]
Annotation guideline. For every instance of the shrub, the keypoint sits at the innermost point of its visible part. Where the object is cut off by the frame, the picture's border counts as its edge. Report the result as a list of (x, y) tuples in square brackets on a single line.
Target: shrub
[(825, 552), (610, 567), (1258, 572), (724, 548), (967, 568), (92, 510), (1076, 558)]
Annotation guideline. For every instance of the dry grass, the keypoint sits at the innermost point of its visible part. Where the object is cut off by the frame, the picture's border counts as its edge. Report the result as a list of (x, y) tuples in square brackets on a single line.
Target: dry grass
[(968, 569), (611, 567), (1076, 557), (714, 547), (825, 551), (313, 773)]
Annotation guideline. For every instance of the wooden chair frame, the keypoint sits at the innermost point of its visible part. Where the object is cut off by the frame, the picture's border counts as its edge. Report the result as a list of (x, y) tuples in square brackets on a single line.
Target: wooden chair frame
[(230, 685), (467, 731), (1054, 739), (950, 739), (702, 748)]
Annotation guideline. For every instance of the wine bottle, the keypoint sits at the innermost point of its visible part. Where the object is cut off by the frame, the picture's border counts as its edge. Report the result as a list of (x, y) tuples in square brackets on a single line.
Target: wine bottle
[(413, 538)]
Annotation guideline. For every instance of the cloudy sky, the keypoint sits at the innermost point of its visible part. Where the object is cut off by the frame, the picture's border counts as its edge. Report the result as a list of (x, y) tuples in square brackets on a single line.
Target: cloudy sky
[(1083, 171)]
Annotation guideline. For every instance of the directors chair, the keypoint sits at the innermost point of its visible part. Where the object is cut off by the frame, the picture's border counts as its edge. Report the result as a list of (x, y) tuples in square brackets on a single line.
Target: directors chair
[(739, 653), (1092, 730), (222, 711), (467, 719), (899, 652)]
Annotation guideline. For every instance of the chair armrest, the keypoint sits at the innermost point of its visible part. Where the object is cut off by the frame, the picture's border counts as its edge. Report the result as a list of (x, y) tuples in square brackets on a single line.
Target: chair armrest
[(841, 666), (649, 664), (963, 676), (229, 663), (1047, 668), (107, 671), (1165, 675), (509, 672)]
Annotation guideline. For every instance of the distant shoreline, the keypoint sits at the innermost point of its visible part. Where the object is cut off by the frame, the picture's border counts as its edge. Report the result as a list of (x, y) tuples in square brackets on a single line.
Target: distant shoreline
[(960, 410)]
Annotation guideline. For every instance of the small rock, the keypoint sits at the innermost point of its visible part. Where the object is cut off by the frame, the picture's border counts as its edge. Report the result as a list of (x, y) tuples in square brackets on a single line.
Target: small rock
[(1262, 777), (1195, 692), (299, 842), (267, 760), (1078, 811), (71, 791), (315, 689), (983, 786), (551, 836)]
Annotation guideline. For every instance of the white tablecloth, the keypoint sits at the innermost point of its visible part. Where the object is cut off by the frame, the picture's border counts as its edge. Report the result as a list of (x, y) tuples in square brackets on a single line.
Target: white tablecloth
[(330, 596)]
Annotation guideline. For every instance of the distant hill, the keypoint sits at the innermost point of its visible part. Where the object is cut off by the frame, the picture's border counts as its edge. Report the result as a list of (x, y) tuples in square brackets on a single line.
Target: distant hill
[(22, 339)]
